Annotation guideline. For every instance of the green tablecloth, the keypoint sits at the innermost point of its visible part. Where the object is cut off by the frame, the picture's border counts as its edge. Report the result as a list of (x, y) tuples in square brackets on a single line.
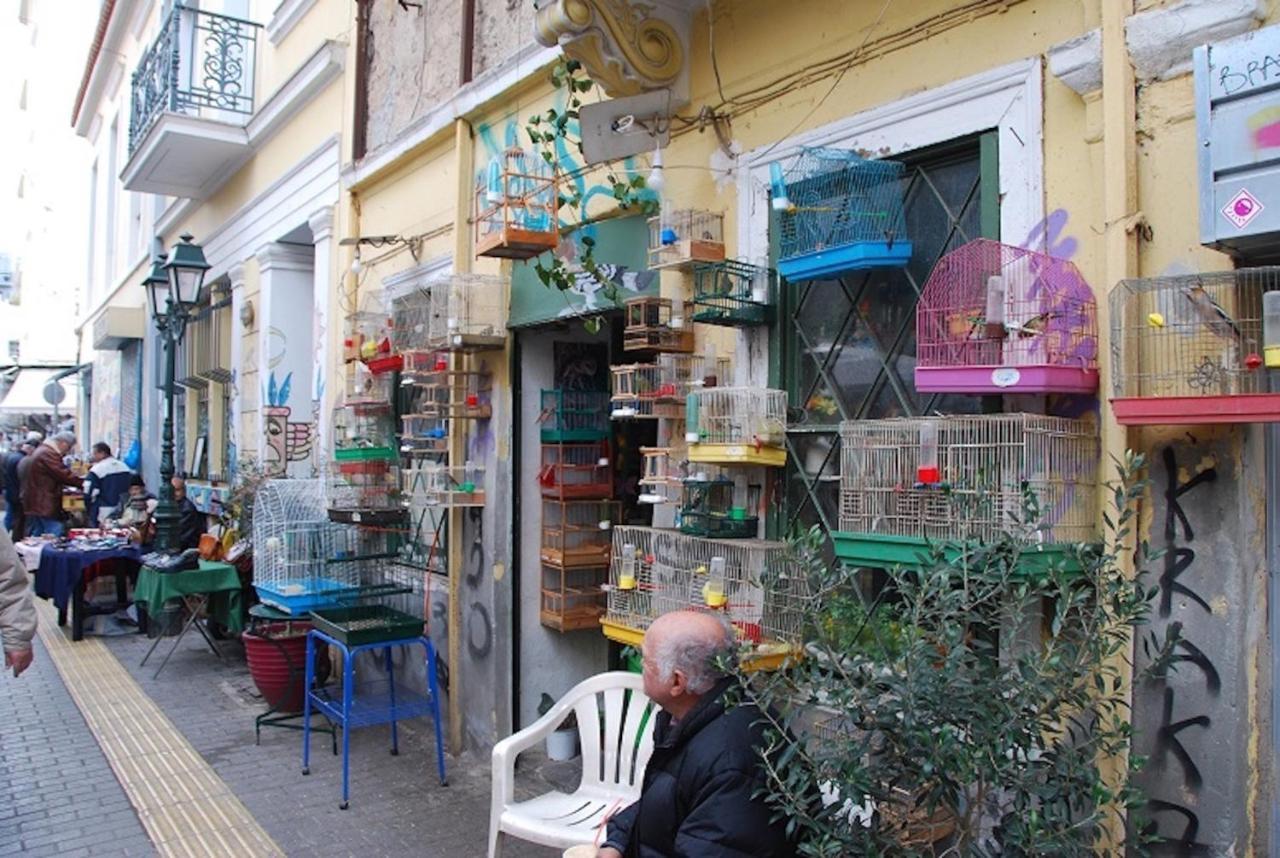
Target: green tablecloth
[(218, 580)]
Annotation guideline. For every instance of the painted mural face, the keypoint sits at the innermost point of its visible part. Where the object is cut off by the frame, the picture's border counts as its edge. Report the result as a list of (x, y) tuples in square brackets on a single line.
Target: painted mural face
[(283, 442)]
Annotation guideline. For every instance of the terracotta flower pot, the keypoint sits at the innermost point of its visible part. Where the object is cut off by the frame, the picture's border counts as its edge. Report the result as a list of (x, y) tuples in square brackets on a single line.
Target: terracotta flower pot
[(277, 656)]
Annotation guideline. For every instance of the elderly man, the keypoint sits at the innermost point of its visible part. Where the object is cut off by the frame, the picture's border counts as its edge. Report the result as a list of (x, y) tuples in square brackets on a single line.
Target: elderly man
[(107, 482), (17, 610), (191, 521), (14, 521), (699, 787), (42, 478)]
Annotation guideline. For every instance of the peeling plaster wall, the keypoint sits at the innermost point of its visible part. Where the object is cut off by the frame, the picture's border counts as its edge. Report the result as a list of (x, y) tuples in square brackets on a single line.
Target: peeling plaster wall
[(502, 28)]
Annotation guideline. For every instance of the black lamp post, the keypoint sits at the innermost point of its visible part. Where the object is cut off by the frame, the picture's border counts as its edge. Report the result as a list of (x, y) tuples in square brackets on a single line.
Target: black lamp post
[(173, 288)]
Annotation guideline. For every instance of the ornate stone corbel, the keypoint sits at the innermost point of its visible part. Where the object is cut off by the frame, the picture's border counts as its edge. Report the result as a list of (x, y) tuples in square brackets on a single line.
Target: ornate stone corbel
[(626, 46)]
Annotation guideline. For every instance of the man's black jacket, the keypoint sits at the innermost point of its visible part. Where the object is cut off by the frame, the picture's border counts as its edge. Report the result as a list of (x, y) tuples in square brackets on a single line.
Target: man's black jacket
[(698, 790)]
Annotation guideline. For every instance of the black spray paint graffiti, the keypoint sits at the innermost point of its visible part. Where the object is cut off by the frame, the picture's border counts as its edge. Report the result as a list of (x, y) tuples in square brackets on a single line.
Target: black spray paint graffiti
[(479, 622), (1179, 555)]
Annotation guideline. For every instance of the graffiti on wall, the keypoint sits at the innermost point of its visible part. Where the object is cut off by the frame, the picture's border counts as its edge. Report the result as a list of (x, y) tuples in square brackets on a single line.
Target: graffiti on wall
[(283, 441)]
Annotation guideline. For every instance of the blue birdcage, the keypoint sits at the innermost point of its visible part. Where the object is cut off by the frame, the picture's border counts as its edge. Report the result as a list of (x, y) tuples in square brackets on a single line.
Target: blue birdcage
[(839, 212)]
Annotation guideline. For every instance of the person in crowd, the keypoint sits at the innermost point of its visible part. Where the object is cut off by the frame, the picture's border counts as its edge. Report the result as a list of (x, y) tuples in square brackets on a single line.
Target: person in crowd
[(699, 794), (135, 511), (191, 521), (42, 476), (14, 521), (17, 609), (107, 482)]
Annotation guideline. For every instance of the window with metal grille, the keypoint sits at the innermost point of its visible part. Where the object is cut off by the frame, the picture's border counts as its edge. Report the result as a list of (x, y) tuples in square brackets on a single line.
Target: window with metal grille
[(845, 347)]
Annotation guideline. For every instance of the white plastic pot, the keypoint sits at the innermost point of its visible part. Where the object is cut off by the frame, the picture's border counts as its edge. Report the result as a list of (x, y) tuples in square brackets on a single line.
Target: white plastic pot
[(563, 744)]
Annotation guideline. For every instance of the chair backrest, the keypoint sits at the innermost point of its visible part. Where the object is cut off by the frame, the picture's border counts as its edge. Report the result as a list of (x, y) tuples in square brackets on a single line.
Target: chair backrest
[(615, 727)]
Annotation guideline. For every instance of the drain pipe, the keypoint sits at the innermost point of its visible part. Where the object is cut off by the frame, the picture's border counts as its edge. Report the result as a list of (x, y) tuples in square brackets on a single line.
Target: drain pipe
[(1271, 445)]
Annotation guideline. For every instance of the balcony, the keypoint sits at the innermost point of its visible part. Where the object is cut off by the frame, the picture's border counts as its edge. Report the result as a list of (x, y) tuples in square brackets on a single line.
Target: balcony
[(192, 96)]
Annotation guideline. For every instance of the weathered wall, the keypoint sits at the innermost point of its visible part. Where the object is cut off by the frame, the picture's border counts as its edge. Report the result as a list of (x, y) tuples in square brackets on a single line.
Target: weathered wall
[(502, 28)]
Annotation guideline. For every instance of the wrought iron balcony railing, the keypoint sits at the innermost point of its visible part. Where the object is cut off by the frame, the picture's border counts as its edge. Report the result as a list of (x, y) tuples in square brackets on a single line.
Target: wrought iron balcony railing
[(201, 64)]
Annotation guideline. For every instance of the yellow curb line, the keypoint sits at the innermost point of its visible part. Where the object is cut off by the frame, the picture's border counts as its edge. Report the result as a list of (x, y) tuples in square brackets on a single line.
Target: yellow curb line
[(186, 809)]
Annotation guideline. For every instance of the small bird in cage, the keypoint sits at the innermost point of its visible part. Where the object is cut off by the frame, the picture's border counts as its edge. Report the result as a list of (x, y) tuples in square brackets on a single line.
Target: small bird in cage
[(1211, 313), (1032, 327)]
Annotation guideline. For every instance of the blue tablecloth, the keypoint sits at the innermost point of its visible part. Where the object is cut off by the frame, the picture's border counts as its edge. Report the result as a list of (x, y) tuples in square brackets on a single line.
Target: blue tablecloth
[(60, 570)]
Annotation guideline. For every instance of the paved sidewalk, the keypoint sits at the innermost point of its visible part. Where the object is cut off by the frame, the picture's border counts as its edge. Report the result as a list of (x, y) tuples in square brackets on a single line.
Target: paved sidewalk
[(58, 794)]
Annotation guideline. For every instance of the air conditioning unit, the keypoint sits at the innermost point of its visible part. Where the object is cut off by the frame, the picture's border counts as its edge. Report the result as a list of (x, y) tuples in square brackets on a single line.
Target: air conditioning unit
[(117, 326)]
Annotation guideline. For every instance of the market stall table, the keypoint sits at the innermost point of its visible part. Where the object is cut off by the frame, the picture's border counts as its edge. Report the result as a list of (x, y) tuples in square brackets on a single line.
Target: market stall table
[(211, 590), (60, 576)]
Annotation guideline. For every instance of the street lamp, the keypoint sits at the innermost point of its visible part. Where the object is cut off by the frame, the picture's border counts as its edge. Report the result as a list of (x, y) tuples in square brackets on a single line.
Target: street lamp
[(173, 288)]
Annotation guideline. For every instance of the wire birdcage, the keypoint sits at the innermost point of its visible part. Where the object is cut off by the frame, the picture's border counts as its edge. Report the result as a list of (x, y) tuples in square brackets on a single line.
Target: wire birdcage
[(516, 213), (573, 598), (839, 212), (363, 478), (719, 504), (574, 415), (645, 390), (657, 325), (576, 532), (692, 371), (458, 394), (1189, 348), (369, 335), (662, 474), (573, 471), (961, 477), (994, 318), (737, 425), (411, 321), (468, 313), (435, 484), (684, 237), (733, 293), (754, 584)]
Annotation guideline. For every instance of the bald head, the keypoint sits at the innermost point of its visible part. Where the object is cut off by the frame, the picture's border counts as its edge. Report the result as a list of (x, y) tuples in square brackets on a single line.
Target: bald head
[(689, 643)]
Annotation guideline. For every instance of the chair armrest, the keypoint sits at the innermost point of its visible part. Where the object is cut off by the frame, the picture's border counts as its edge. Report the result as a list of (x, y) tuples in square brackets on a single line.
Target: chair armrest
[(506, 751)]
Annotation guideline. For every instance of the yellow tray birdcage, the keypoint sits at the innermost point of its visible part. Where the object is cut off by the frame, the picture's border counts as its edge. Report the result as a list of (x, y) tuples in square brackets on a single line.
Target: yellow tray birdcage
[(737, 425), (576, 532), (756, 585), (572, 597), (468, 313), (682, 238), (517, 207), (657, 325), (1189, 349)]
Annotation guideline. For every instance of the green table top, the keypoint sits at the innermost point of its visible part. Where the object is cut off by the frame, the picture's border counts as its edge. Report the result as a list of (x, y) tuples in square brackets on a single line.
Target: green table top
[(219, 581)]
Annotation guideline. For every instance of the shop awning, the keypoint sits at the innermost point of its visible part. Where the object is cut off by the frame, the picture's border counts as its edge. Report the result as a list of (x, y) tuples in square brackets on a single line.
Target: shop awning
[(26, 396)]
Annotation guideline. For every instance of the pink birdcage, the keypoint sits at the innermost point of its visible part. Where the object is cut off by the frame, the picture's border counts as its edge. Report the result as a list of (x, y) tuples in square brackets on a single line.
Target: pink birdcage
[(994, 318)]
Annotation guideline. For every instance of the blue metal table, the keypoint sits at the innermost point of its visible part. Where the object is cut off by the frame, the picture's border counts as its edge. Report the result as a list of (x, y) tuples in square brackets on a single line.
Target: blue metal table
[(384, 704)]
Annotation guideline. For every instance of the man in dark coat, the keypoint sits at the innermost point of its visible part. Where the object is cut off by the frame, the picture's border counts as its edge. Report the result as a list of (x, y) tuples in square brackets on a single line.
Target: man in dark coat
[(191, 521), (699, 789), (43, 475), (14, 521)]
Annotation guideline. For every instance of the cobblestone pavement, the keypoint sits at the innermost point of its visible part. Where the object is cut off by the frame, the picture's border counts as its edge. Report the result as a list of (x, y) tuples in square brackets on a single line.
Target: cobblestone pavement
[(58, 794), (398, 806)]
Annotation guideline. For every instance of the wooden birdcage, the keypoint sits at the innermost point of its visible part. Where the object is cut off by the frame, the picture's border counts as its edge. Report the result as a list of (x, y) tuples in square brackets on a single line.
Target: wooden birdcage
[(733, 293), (657, 325), (754, 584), (424, 435), (573, 598), (1189, 349), (576, 471), (718, 504), (908, 482), (994, 318), (468, 313), (446, 393), (737, 425), (682, 238), (574, 415), (645, 391), (433, 484), (576, 532), (661, 474), (691, 371), (517, 207)]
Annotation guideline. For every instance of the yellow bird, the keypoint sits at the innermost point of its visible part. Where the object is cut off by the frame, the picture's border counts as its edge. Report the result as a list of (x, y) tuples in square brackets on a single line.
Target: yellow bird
[(1155, 320)]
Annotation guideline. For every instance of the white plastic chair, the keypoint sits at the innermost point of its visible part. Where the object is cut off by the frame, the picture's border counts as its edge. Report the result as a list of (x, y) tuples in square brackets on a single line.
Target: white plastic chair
[(615, 729)]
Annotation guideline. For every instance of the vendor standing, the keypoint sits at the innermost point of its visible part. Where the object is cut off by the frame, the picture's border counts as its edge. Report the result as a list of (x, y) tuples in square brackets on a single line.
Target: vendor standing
[(42, 478)]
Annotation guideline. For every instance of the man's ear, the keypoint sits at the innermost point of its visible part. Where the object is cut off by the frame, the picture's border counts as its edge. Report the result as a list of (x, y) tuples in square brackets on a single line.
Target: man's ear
[(679, 683)]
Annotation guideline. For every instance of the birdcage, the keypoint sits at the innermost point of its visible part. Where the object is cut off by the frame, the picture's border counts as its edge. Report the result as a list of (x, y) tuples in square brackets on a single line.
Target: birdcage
[(691, 371), (453, 393), (468, 313), (435, 484), (756, 585), (573, 471), (516, 207), (661, 474), (838, 212), (905, 482), (363, 479), (411, 322), (574, 415), (1189, 348), (733, 293), (994, 318), (737, 425), (645, 390), (424, 435), (573, 597), (657, 325), (681, 238), (718, 504), (369, 336), (576, 532)]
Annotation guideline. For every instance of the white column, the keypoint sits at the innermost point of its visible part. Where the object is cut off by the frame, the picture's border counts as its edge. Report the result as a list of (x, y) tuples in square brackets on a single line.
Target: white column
[(285, 360), (238, 329), (322, 393)]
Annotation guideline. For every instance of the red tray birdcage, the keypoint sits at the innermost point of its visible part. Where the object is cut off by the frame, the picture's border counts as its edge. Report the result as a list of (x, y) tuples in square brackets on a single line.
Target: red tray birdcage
[(574, 471), (994, 318)]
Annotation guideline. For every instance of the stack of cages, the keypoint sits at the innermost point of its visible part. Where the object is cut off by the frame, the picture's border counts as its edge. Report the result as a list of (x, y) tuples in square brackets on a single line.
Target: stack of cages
[(733, 293), (1000, 319), (756, 585), (370, 336), (839, 212), (364, 484), (468, 313), (576, 479), (681, 239), (516, 213), (719, 503), (910, 483), (1191, 348), (737, 426), (657, 325)]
